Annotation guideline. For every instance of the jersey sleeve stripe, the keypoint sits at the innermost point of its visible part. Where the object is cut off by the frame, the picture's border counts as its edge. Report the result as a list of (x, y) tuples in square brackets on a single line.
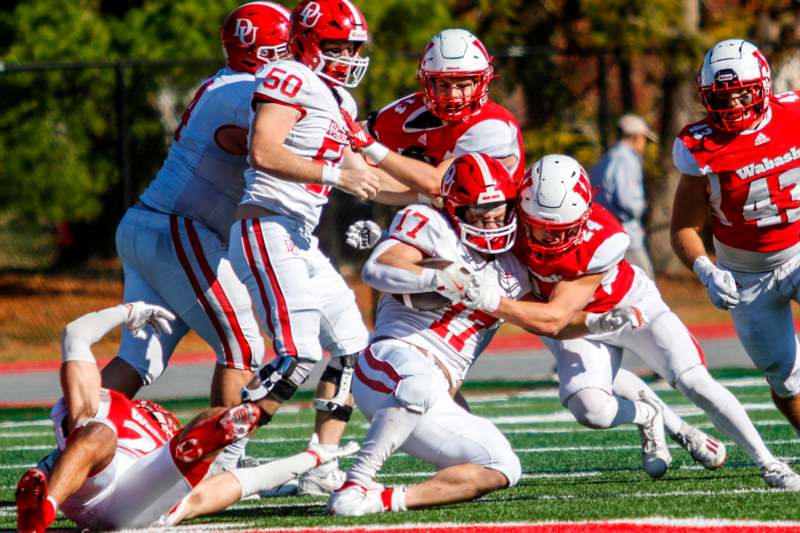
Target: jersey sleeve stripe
[(260, 98), (183, 258), (222, 299)]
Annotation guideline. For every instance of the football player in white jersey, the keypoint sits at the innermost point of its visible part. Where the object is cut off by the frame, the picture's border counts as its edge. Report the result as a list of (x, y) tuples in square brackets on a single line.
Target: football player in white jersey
[(125, 463), (298, 150), (173, 242), (574, 251), (423, 345)]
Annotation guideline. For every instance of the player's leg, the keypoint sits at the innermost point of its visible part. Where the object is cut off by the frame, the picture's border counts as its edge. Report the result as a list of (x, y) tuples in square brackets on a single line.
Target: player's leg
[(703, 448), (586, 372), (668, 347), (343, 334), (764, 323), (90, 448)]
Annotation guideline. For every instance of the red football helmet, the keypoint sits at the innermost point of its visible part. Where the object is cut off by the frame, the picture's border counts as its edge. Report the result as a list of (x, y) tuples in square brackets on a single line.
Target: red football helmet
[(168, 422), (455, 54), (315, 21), (734, 84), (556, 196), (475, 185), (255, 33)]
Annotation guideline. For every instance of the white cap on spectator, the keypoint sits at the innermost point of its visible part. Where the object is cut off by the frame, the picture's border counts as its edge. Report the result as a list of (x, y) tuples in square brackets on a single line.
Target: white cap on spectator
[(632, 124)]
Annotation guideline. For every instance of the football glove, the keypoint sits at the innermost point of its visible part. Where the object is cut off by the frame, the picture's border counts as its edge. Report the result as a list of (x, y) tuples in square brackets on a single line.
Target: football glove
[(363, 235), (481, 296), (599, 323), (362, 142), (452, 282), (141, 314), (719, 283)]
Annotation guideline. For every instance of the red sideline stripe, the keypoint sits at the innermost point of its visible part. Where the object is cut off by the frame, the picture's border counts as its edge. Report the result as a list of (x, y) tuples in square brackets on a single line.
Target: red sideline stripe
[(555, 527), (500, 344), (222, 298)]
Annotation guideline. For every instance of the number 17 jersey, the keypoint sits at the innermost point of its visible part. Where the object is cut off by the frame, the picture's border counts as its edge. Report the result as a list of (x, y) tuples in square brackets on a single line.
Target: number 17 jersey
[(454, 334)]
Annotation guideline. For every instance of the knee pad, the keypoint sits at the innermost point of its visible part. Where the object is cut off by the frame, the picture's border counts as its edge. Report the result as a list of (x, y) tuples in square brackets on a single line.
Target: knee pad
[(593, 408), (419, 393), (509, 465)]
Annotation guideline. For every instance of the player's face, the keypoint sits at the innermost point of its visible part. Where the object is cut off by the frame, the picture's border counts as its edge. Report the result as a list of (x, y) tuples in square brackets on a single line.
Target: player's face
[(491, 216), (339, 48), (454, 87)]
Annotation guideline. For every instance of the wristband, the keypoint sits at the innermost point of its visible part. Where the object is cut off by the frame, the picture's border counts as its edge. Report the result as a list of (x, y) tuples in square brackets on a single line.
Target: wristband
[(376, 152), (331, 175), (423, 199)]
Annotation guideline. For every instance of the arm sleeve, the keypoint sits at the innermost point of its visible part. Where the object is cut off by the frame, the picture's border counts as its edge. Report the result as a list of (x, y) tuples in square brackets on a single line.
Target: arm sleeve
[(81, 333), (395, 280), (684, 160)]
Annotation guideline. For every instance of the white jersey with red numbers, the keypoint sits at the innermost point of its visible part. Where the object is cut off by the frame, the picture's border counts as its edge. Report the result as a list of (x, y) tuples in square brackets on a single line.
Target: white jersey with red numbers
[(200, 179), (600, 248), (142, 482), (408, 127), (319, 135), (453, 334), (754, 181)]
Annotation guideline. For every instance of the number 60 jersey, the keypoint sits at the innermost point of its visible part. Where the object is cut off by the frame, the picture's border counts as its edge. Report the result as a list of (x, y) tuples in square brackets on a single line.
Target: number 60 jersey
[(453, 334), (754, 179)]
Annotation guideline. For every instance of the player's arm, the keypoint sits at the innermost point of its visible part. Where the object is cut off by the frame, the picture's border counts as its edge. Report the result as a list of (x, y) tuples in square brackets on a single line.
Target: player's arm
[(689, 215), (390, 191), (393, 267), (271, 125), (79, 374), (561, 317)]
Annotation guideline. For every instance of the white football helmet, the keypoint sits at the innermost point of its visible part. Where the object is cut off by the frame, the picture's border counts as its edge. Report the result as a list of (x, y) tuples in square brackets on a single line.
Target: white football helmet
[(556, 196), (734, 66), (455, 53)]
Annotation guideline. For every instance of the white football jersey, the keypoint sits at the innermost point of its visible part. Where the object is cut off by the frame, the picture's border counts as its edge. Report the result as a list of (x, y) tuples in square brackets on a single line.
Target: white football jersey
[(319, 135), (199, 179), (454, 334)]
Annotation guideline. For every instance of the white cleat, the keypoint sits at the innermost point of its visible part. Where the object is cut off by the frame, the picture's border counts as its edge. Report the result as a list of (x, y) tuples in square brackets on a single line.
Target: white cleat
[(703, 448), (655, 454), (356, 500), (779, 475), (312, 483)]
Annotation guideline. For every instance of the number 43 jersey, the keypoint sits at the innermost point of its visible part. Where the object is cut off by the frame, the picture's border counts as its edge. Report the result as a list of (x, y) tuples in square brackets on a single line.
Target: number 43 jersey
[(453, 334), (754, 181)]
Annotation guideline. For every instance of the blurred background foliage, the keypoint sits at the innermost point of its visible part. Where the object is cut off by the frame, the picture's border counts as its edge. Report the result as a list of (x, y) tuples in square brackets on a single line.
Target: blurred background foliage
[(568, 68)]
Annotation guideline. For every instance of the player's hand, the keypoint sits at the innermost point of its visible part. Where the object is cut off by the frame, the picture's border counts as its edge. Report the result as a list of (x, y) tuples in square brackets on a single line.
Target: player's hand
[(323, 455), (362, 183), (141, 314), (359, 137), (599, 323), (481, 296), (363, 235), (719, 283), (452, 282)]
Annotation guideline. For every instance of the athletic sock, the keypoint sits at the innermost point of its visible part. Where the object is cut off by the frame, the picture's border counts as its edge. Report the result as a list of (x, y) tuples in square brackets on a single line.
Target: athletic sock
[(273, 474)]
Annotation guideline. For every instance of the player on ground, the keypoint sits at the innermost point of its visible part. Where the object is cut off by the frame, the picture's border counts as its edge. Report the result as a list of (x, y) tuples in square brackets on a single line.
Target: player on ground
[(173, 242), (741, 163), (574, 252), (126, 464), (423, 346)]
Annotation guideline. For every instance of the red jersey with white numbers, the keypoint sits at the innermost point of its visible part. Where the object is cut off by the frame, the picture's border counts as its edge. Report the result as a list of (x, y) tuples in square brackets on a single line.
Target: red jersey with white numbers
[(600, 248), (753, 176), (408, 127)]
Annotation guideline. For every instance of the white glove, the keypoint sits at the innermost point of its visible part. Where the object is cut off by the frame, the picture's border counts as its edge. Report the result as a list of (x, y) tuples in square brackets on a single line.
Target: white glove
[(719, 283), (324, 455), (453, 281), (481, 296), (141, 314), (599, 323), (363, 235)]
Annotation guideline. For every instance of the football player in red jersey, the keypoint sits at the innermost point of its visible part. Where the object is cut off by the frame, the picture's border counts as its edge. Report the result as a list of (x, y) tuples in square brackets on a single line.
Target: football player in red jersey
[(574, 253), (741, 163), (125, 463)]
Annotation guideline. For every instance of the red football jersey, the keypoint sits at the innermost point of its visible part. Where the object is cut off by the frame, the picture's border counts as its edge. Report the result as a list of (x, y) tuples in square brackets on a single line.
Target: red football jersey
[(600, 249), (753, 177), (408, 127)]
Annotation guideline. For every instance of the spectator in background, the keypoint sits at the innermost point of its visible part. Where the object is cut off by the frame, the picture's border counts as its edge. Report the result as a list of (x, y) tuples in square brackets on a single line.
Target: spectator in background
[(619, 181)]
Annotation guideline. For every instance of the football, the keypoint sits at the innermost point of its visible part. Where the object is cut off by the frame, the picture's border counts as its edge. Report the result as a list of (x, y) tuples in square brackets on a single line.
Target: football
[(427, 301)]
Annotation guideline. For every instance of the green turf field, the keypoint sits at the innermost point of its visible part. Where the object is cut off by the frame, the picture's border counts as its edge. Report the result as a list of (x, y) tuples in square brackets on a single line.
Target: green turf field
[(570, 473)]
